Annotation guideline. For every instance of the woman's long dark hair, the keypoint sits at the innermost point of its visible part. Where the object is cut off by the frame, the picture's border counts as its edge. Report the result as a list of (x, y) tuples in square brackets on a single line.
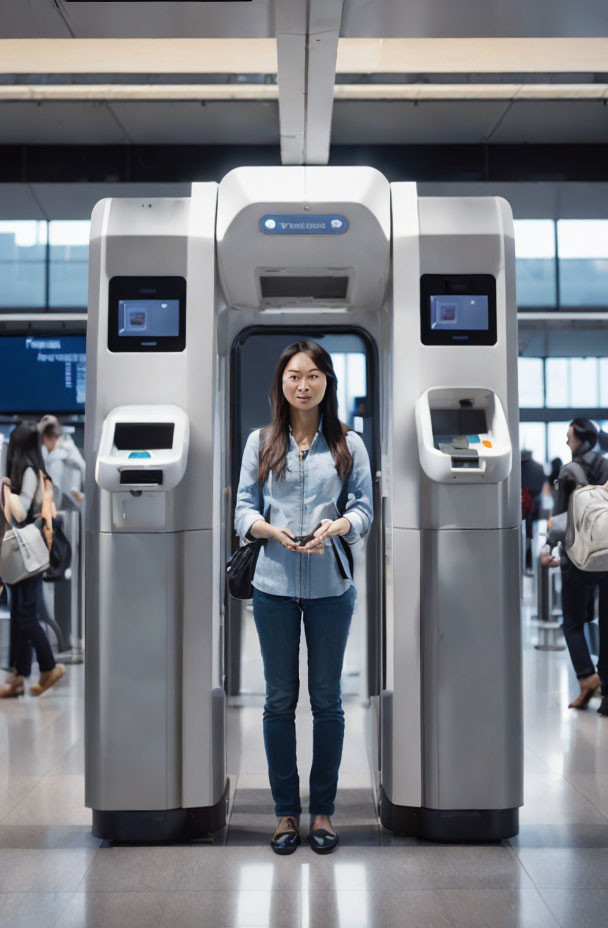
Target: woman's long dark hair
[(275, 437), (24, 450)]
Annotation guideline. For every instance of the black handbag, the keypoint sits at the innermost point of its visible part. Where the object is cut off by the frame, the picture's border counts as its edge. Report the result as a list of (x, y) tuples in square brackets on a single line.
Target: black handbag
[(60, 555), (240, 569)]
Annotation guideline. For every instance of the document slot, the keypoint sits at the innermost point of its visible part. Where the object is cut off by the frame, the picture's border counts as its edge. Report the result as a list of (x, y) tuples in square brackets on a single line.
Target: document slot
[(154, 477)]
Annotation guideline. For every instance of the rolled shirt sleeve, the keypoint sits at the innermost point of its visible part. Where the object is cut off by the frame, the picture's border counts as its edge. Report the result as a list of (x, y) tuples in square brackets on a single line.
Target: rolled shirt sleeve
[(249, 502), (359, 507)]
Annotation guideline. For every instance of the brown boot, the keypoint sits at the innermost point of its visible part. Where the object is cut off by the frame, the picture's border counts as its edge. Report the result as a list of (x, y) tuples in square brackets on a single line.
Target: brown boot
[(589, 685), (48, 679), (15, 686)]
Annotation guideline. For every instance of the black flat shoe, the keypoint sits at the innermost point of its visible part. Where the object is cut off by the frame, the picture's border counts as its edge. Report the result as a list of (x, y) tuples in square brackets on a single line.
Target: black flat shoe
[(603, 709), (322, 841), (286, 842)]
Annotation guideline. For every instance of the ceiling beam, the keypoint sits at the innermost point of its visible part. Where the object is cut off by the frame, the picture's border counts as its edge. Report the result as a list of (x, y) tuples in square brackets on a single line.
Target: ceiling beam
[(452, 93), (307, 43), (138, 56), (472, 56)]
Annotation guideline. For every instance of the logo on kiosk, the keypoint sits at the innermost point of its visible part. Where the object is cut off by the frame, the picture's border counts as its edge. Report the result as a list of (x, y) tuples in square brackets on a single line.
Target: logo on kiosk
[(305, 224)]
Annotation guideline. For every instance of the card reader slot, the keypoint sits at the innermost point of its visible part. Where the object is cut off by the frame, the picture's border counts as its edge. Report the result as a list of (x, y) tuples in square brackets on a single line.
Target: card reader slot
[(139, 476), (465, 463)]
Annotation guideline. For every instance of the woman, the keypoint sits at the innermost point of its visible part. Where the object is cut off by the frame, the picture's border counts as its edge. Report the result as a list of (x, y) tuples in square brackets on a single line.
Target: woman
[(23, 492), (295, 471)]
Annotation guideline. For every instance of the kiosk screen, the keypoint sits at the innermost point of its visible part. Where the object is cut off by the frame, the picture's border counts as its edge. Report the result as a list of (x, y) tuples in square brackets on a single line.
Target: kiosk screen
[(139, 436), (458, 312), (148, 317), (147, 314), (458, 422), (458, 309)]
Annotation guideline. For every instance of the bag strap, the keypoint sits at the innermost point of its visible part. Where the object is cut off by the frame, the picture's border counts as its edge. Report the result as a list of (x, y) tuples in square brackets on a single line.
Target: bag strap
[(47, 510), (342, 499), (3, 519)]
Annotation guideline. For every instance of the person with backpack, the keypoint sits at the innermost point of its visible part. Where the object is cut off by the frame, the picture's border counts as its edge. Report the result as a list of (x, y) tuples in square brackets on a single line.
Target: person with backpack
[(578, 586), (293, 475)]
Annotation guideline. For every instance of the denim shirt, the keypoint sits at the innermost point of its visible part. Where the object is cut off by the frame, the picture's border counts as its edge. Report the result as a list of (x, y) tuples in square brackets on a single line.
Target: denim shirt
[(308, 492)]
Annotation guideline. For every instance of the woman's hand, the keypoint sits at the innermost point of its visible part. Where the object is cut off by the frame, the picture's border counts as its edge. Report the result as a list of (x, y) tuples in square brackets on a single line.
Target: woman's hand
[(285, 537), (327, 528)]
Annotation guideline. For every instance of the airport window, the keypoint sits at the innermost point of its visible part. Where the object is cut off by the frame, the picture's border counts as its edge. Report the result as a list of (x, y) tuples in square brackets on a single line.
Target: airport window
[(571, 387), (69, 263), (557, 380), (556, 440), (533, 437), (531, 383), (535, 263), (583, 262), (350, 370), (583, 382), (23, 247), (603, 381)]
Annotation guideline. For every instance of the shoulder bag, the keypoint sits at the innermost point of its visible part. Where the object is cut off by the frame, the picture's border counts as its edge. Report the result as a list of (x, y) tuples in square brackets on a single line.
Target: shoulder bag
[(240, 568), (25, 552)]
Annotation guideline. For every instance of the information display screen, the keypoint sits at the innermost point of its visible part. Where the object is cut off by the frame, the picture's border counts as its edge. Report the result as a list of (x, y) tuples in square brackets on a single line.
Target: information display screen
[(458, 309), (147, 314), (42, 374)]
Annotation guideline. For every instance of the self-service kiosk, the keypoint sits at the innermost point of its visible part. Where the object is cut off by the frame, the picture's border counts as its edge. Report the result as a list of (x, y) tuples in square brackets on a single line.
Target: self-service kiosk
[(174, 282)]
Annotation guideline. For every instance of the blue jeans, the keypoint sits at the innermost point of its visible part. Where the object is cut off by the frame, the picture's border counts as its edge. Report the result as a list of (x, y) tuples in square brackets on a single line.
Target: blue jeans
[(278, 620), (26, 630), (577, 588)]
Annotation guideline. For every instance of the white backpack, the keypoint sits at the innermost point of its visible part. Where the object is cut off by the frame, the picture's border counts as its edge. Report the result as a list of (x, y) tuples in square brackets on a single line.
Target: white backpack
[(586, 541)]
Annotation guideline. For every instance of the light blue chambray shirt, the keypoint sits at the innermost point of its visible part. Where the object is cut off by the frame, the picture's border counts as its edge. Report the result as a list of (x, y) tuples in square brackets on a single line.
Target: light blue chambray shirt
[(308, 492)]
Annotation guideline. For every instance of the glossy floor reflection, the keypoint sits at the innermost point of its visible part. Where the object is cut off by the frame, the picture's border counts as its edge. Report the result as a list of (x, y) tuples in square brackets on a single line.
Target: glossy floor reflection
[(53, 872)]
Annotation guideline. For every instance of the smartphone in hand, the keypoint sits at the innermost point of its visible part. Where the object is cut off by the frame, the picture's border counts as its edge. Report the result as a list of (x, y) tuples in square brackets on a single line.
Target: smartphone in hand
[(304, 539)]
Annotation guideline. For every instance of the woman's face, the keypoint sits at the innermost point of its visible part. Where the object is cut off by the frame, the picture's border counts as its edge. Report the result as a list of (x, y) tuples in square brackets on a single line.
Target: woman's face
[(304, 384)]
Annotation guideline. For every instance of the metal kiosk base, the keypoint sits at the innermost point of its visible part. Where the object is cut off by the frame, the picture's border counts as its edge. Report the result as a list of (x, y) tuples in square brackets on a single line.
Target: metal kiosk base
[(161, 825), (449, 825)]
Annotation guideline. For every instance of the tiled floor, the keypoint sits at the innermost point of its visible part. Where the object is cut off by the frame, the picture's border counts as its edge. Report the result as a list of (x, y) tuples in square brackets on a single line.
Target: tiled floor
[(53, 872)]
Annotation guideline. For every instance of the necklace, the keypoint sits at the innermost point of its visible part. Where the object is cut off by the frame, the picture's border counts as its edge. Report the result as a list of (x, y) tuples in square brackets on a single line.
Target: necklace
[(303, 443)]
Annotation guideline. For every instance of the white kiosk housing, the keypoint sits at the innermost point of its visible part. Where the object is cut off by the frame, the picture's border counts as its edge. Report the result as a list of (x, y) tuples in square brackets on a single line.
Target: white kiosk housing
[(430, 283)]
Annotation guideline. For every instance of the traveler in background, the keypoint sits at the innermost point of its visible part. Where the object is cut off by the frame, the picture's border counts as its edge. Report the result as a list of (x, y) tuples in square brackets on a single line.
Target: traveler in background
[(532, 482), (556, 466), (23, 490), (64, 462), (578, 586)]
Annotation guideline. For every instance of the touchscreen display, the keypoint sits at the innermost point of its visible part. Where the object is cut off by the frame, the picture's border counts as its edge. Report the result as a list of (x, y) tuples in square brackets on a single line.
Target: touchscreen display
[(156, 318), (460, 312), (151, 436)]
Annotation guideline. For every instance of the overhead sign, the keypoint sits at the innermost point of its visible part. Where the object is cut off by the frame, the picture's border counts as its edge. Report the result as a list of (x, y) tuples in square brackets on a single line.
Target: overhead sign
[(306, 224)]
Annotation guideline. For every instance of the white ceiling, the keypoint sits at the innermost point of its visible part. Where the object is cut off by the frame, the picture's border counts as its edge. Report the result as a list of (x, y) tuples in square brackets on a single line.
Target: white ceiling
[(256, 122), (354, 121), (360, 18)]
